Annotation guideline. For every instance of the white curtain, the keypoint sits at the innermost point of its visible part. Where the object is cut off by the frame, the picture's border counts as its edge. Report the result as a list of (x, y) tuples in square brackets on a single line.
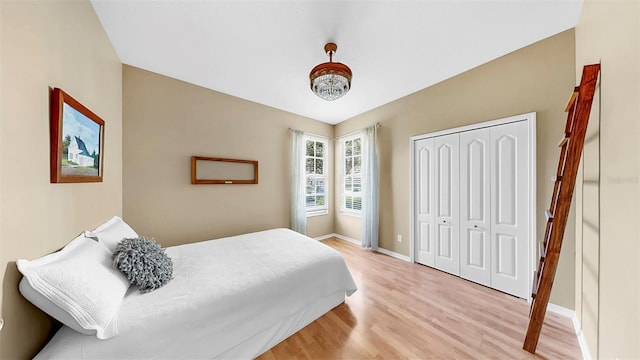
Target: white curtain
[(298, 208), (370, 188)]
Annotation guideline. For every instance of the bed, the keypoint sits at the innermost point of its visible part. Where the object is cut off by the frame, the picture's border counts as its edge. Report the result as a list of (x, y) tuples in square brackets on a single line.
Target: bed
[(234, 297)]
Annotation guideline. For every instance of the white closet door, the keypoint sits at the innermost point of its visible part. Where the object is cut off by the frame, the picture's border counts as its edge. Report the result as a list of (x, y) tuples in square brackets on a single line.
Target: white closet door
[(447, 202), (475, 206), (424, 204), (510, 208)]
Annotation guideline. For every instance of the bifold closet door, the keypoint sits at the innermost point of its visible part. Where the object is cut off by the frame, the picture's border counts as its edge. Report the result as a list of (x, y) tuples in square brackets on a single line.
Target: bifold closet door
[(447, 203), (424, 204), (475, 206), (510, 208)]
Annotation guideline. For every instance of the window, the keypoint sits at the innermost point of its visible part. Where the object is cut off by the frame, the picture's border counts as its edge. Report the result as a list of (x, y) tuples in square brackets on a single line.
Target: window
[(351, 184), (316, 176)]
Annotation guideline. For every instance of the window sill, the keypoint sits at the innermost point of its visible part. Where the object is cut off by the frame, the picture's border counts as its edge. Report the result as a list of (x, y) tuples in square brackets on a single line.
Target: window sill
[(351, 213), (317, 213)]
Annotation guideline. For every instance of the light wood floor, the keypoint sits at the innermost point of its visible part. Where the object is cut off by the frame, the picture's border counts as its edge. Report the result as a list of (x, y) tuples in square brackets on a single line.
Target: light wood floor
[(403, 310)]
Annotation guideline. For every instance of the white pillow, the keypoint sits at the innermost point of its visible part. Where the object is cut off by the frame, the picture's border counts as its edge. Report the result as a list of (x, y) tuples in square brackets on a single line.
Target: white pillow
[(111, 233), (78, 286), (50, 308)]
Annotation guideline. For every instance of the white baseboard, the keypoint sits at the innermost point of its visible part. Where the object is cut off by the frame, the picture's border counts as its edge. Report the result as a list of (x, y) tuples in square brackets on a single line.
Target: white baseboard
[(357, 242), (394, 254), (560, 310), (324, 237), (347, 239), (583, 345)]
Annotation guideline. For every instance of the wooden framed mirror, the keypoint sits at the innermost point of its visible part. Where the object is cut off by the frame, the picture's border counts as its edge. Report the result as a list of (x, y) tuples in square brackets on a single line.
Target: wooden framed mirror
[(212, 170)]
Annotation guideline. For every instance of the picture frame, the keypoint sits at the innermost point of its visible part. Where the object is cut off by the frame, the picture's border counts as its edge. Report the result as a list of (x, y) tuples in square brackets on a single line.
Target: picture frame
[(214, 170), (76, 140)]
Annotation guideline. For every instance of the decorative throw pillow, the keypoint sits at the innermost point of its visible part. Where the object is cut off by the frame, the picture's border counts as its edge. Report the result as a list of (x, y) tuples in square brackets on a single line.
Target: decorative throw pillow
[(144, 263)]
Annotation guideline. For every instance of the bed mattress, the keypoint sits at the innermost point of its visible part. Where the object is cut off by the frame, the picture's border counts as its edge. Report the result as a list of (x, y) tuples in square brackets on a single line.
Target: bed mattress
[(231, 297)]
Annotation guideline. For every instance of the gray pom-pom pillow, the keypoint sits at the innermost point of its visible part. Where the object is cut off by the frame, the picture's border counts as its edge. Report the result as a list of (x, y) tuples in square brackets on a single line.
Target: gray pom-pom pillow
[(144, 263)]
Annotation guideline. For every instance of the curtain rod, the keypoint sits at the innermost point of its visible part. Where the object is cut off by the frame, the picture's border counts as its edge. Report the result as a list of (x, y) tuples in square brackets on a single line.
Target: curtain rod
[(290, 130), (378, 125)]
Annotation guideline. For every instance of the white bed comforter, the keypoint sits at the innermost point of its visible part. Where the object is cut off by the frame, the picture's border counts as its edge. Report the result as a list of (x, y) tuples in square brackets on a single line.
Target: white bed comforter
[(223, 292)]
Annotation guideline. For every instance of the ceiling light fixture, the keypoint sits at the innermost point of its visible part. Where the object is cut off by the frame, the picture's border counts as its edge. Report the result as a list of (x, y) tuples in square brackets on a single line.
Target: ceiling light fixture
[(330, 80)]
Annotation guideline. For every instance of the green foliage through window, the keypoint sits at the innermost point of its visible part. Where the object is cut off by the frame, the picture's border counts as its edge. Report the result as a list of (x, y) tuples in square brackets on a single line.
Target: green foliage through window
[(315, 178), (351, 174)]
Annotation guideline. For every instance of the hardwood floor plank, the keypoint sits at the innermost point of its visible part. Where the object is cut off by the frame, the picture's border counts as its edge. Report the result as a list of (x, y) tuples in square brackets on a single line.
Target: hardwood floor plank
[(409, 311)]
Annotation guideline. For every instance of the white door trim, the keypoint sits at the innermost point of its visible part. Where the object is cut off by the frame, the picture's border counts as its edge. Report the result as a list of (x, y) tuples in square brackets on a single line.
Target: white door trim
[(530, 118)]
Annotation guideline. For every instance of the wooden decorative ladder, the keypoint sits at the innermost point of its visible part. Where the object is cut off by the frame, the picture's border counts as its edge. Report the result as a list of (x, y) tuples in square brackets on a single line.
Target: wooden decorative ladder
[(579, 109)]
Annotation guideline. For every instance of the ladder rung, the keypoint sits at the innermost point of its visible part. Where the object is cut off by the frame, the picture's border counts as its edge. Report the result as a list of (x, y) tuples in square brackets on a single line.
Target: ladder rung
[(548, 214), (572, 99), (556, 178), (543, 255), (563, 141), (537, 276), (534, 288), (547, 236)]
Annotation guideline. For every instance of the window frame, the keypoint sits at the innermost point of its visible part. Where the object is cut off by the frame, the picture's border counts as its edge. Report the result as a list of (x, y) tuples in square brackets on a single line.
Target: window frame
[(317, 210), (343, 175)]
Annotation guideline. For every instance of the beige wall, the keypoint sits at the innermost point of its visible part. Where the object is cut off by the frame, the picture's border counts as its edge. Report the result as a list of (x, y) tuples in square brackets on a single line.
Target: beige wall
[(49, 44), (166, 121), (587, 195), (537, 78), (609, 32)]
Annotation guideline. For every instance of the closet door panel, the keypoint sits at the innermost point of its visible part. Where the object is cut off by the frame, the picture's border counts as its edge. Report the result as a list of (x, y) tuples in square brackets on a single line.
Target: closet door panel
[(472, 205), (510, 208), (447, 203), (424, 202), (475, 206)]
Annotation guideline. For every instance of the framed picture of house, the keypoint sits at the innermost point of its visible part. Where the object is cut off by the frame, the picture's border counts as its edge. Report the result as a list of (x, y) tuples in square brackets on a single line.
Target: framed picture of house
[(77, 141)]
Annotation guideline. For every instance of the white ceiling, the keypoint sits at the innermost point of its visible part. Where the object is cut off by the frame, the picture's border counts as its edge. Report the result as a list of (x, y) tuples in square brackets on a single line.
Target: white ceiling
[(263, 51)]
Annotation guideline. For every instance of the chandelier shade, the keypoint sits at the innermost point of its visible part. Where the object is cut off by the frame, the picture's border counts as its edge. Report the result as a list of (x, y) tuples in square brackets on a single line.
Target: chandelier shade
[(330, 80)]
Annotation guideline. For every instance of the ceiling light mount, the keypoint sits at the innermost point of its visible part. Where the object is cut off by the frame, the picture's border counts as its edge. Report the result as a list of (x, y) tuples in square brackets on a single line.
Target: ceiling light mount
[(330, 80)]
